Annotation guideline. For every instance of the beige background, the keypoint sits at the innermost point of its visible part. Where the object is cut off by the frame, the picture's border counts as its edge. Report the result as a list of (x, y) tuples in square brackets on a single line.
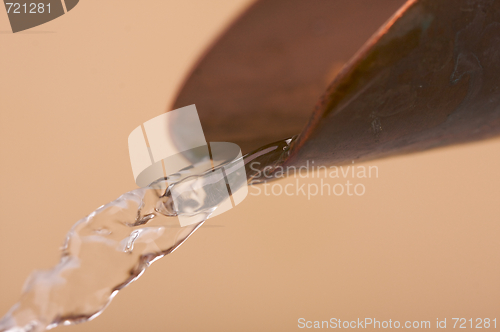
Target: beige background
[(421, 244)]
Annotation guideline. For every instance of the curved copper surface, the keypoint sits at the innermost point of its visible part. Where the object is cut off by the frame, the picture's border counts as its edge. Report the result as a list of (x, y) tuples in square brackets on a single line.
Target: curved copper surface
[(429, 77), (260, 80)]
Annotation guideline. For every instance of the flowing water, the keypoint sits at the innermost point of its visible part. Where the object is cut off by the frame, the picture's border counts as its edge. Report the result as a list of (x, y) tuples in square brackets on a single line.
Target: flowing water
[(110, 248)]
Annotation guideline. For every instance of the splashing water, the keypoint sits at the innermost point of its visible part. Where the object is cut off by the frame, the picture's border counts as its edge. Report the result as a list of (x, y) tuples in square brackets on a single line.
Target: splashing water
[(110, 248)]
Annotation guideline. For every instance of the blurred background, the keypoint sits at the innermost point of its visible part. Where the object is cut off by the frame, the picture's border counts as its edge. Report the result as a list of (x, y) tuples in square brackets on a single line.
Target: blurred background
[(420, 244)]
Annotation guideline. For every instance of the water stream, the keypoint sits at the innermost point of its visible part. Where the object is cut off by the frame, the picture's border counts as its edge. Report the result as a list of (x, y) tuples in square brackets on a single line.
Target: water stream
[(113, 246)]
